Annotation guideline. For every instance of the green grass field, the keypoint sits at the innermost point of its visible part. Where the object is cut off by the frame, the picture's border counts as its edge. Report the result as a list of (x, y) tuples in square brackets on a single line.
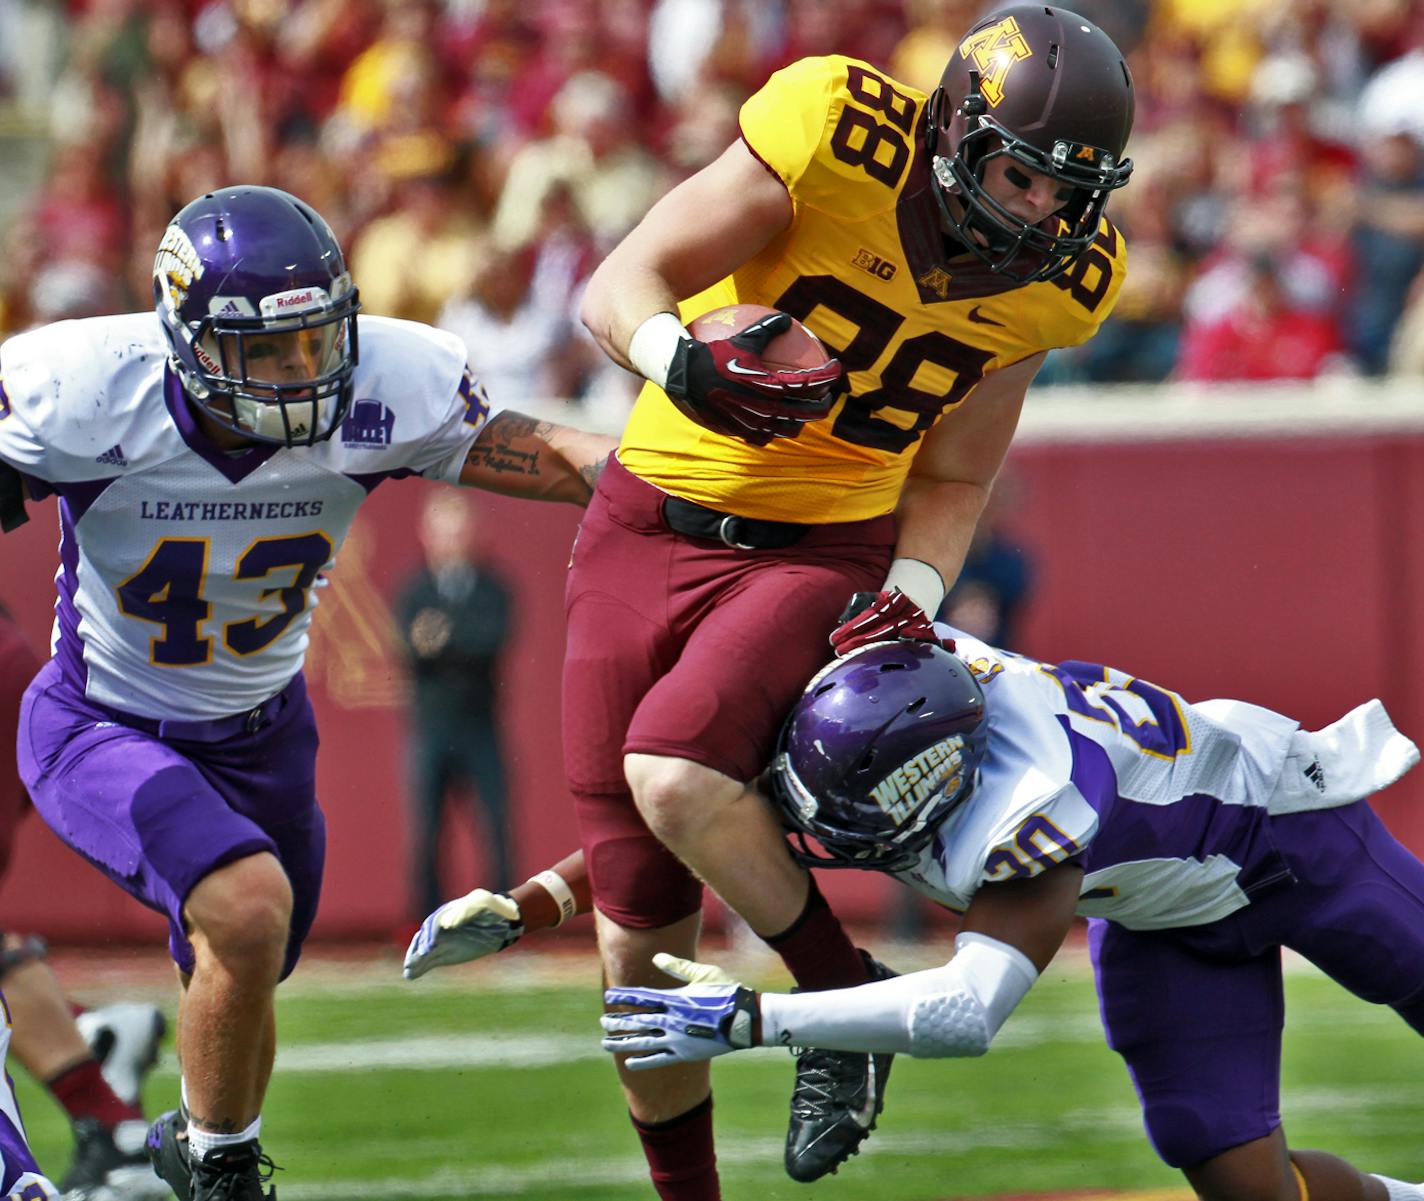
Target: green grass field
[(487, 1082)]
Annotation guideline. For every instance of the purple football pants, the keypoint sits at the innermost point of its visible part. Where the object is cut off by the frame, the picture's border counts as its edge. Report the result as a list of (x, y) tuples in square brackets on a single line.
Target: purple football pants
[(1197, 1012), (157, 813)]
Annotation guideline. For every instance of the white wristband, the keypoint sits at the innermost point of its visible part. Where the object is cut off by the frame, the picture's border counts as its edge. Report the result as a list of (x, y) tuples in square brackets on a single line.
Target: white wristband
[(918, 580), (557, 887), (653, 344)]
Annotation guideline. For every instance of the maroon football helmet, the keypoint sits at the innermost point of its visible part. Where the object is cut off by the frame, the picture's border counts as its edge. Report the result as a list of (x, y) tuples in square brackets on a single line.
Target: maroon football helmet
[(1049, 89)]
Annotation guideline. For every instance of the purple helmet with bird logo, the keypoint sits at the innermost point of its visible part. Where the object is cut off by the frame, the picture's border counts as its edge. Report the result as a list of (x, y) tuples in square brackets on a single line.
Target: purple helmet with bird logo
[(260, 314)]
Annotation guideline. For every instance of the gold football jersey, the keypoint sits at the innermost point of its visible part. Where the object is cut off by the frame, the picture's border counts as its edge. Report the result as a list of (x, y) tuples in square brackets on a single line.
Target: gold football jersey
[(863, 264)]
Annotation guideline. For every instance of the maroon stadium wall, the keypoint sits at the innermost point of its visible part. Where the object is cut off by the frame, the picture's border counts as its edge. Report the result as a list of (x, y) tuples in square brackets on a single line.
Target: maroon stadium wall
[(1284, 571)]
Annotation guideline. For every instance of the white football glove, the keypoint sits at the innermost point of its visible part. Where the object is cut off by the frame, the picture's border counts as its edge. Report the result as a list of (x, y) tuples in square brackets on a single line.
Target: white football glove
[(690, 971), (710, 1016), (31, 1186), (477, 924)]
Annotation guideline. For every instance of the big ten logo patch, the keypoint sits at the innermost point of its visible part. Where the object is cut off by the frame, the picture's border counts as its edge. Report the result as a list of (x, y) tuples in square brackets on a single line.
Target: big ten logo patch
[(874, 265)]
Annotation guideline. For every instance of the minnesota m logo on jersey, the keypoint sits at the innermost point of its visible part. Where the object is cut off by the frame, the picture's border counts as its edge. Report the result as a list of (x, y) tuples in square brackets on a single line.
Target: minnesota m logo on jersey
[(995, 50)]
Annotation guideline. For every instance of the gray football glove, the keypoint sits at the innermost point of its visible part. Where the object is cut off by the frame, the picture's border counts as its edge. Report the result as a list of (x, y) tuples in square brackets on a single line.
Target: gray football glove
[(478, 924), (710, 1016)]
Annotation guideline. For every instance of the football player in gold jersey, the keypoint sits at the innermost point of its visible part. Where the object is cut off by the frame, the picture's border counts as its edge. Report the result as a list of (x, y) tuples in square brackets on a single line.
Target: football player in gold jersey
[(939, 246)]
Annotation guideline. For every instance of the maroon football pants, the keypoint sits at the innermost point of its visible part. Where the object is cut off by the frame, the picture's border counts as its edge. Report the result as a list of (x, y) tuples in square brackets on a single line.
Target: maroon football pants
[(689, 648)]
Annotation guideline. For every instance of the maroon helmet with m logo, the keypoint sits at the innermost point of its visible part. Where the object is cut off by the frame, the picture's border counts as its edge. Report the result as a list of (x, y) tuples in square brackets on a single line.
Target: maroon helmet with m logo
[(1050, 90)]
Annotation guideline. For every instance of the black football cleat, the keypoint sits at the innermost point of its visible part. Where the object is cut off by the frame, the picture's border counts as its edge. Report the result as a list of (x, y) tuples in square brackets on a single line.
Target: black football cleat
[(110, 1163), (235, 1173), (167, 1147), (837, 1100)]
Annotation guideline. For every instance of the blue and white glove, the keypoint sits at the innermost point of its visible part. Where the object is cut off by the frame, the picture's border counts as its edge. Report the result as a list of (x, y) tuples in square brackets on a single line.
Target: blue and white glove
[(712, 1015), (31, 1186), (478, 924)]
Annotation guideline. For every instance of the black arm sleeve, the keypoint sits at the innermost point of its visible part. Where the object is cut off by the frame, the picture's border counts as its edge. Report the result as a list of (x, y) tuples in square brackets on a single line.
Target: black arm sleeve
[(12, 499)]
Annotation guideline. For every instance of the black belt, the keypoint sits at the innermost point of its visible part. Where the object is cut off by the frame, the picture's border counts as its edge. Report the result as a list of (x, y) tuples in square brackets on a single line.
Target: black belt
[(216, 729), (740, 533)]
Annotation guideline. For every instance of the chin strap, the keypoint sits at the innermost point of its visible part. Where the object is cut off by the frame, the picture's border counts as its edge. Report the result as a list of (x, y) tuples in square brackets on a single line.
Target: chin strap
[(975, 106)]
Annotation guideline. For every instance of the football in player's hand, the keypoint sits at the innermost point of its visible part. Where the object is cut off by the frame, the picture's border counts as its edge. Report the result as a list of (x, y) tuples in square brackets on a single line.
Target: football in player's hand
[(798, 347)]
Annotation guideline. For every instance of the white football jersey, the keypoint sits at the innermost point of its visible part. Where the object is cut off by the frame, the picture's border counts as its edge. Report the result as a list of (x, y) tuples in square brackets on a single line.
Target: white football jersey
[(1163, 803), (187, 575)]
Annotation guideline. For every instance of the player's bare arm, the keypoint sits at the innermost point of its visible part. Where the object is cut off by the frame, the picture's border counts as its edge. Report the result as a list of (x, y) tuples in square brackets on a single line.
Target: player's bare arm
[(550, 897), (522, 456), (700, 232), (954, 470), (944, 493), (1031, 915)]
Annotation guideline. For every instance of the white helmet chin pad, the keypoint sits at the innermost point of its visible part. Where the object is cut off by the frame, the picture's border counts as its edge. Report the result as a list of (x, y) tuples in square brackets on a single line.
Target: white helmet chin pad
[(267, 420)]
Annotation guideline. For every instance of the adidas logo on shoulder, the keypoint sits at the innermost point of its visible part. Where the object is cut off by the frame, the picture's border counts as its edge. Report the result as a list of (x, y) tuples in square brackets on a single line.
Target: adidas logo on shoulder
[(113, 457)]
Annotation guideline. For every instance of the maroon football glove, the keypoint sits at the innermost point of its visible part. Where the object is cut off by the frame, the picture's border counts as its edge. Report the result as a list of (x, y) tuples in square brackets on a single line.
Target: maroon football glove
[(880, 617), (725, 386)]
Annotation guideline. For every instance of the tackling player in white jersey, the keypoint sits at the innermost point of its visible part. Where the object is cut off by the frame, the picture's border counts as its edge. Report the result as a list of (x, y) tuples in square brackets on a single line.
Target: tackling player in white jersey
[(209, 461), (1198, 838)]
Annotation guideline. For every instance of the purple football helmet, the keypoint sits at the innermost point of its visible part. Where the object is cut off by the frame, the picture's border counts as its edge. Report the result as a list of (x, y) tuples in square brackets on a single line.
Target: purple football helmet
[(881, 747), (260, 314)]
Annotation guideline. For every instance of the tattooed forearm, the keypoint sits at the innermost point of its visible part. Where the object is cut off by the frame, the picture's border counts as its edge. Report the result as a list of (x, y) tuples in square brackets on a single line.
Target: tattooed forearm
[(503, 459), (523, 456), (496, 449), (591, 471), (507, 426)]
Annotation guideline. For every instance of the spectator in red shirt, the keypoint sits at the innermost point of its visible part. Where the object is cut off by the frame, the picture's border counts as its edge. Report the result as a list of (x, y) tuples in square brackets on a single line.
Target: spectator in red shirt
[(1263, 336)]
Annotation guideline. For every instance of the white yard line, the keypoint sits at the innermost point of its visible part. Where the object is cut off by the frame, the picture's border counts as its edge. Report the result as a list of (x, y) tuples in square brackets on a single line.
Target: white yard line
[(98, 978), (566, 1175), (452, 1049)]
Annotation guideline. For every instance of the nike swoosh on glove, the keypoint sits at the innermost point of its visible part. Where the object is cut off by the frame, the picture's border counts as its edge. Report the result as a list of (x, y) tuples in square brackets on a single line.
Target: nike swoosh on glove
[(726, 387), (881, 617)]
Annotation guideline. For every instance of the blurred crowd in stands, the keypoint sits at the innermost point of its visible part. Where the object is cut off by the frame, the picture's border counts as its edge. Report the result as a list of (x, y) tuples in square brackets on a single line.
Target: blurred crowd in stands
[(477, 157)]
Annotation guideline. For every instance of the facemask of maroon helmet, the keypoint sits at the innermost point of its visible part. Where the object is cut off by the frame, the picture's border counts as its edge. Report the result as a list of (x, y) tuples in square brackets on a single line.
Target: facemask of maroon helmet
[(260, 314), (883, 745), (1049, 90)]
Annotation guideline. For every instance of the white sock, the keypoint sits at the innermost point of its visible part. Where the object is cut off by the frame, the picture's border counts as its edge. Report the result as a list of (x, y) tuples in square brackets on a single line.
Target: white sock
[(200, 1141), (1399, 1190)]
